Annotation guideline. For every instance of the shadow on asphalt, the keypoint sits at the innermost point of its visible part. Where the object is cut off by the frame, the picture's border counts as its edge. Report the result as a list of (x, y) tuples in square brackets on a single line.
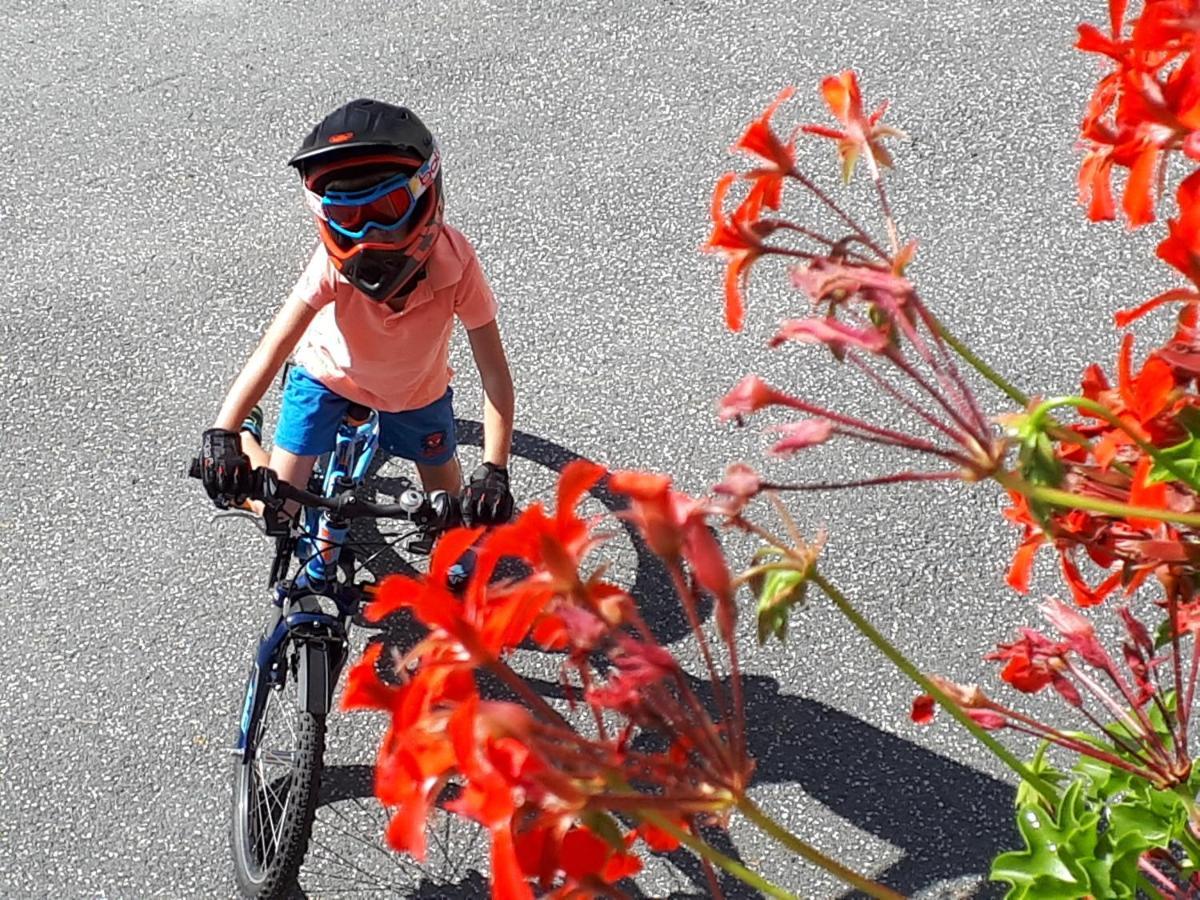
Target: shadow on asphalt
[(947, 819)]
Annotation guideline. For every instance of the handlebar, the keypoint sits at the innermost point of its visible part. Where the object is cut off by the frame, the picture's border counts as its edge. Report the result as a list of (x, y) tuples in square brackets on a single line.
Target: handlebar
[(435, 511)]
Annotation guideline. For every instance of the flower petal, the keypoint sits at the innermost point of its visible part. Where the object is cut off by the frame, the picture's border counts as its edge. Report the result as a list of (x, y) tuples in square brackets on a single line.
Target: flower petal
[(923, 709), (802, 435)]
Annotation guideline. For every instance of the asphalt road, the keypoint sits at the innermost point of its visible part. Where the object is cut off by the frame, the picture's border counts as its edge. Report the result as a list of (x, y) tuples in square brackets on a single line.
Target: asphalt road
[(151, 229)]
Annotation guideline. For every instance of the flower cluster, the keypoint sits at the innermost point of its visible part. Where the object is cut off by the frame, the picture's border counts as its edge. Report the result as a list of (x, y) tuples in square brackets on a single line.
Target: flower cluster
[(1146, 106), (1145, 728), (863, 308), (556, 800), (1131, 460), (1116, 488)]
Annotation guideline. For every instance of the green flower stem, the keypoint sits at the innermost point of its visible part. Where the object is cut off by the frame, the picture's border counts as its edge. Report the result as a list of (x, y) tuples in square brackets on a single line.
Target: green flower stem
[(1097, 409), (715, 856), (812, 854), (1068, 500), (978, 364), (1047, 791)]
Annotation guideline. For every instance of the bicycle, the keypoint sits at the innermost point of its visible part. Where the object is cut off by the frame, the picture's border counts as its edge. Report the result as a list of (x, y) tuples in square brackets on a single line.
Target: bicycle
[(305, 645)]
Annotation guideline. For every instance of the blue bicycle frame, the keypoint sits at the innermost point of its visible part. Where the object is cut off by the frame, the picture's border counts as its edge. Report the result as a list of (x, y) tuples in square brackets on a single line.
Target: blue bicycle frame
[(345, 467), (298, 614)]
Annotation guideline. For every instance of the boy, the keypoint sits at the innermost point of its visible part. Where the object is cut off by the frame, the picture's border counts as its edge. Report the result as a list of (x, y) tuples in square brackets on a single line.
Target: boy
[(370, 321)]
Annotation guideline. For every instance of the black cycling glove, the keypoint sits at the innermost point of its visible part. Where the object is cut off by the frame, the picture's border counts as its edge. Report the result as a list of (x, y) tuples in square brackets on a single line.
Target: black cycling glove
[(224, 469), (487, 500)]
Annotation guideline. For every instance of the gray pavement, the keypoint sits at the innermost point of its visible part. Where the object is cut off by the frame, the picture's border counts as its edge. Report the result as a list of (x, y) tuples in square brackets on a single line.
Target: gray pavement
[(151, 228)]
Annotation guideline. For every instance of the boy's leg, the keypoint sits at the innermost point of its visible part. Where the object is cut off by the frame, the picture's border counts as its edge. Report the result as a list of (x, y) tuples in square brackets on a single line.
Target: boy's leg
[(446, 477), (251, 433), (309, 415), (292, 468), (427, 437)]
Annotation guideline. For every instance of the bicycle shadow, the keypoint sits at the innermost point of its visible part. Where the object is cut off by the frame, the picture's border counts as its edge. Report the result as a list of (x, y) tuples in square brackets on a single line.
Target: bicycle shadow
[(651, 583), (947, 820)]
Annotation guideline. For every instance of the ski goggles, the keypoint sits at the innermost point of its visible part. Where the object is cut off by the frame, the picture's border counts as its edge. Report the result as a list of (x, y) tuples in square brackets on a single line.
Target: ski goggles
[(386, 206)]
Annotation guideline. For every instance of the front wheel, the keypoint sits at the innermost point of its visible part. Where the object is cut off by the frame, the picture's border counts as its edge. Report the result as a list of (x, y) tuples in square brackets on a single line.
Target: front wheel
[(275, 787)]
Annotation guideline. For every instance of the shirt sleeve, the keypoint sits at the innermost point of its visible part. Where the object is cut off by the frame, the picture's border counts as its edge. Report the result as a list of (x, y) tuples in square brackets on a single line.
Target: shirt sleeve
[(474, 303), (317, 286)]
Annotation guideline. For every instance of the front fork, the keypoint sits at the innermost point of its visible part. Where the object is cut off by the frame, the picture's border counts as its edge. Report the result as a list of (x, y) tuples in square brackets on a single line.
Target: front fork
[(321, 646)]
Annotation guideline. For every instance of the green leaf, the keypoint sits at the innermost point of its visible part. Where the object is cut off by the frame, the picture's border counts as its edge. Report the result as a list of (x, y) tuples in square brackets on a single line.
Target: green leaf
[(1027, 794), (1102, 780), (1048, 867), (778, 591), (1185, 456), (1105, 781), (1092, 846)]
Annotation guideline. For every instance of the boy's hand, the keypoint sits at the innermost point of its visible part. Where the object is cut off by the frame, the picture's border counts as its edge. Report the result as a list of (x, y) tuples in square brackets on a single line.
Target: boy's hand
[(487, 500), (224, 469)]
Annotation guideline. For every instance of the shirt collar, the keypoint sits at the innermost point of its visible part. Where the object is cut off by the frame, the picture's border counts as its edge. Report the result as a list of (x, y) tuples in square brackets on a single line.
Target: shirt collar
[(443, 269)]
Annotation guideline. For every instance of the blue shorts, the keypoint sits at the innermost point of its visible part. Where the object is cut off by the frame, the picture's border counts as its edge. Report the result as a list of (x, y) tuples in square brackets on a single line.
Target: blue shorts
[(310, 414)]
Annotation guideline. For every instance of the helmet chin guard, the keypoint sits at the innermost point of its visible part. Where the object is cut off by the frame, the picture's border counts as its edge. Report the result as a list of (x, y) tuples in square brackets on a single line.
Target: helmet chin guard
[(384, 274), (383, 265), (356, 141)]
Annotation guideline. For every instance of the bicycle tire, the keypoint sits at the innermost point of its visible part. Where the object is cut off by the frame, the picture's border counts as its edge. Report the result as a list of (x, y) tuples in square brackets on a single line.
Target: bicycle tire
[(266, 866)]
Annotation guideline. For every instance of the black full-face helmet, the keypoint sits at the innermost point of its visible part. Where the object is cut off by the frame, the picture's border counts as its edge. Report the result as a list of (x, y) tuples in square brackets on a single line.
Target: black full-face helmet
[(372, 177)]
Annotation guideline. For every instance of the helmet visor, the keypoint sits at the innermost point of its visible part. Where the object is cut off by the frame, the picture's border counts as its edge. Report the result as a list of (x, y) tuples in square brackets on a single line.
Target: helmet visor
[(386, 206)]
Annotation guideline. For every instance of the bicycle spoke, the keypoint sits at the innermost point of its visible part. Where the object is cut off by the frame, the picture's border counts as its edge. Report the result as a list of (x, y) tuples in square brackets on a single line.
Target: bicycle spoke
[(269, 804), (274, 699), (394, 859), (287, 758), (269, 792), (277, 833), (261, 834), (352, 865)]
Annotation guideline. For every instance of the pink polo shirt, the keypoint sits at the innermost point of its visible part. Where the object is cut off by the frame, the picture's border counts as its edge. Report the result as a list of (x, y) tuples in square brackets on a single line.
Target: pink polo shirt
[(392, 361)]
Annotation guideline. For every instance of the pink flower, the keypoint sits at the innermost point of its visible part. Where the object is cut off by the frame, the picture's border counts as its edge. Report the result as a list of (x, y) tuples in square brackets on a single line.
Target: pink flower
[(832, 333), (859, 132), (1078, 631), (740, 485), (802, 435), (749, 396)]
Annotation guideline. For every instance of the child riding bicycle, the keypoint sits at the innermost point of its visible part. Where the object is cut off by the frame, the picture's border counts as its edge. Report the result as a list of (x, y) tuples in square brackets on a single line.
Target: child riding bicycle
[(369, 323)]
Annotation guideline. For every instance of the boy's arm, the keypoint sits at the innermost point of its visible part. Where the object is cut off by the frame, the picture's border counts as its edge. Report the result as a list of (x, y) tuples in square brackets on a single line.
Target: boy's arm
[(498, 402), (276, 345)]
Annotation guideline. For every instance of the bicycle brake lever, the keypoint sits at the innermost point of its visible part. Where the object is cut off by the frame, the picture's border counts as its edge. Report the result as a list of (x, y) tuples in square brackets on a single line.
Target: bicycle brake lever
[(241, 514)]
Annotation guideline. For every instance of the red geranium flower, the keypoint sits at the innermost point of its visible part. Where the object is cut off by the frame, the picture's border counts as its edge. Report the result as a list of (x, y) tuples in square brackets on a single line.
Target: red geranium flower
[(859, 132), (1030, 661), (760, 140)]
